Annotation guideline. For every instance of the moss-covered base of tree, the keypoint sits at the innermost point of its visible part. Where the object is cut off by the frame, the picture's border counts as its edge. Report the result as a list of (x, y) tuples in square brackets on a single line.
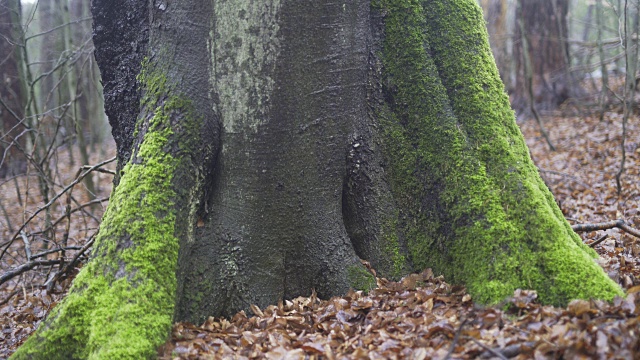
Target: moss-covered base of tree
[(121, 303), (473, 206)]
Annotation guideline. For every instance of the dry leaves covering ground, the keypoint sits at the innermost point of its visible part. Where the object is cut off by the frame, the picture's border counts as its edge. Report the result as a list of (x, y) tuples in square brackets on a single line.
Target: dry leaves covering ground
[(422, 316)]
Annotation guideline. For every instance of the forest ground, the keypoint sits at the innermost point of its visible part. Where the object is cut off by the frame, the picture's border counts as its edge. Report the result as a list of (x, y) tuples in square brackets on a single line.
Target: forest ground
[(422, 316)]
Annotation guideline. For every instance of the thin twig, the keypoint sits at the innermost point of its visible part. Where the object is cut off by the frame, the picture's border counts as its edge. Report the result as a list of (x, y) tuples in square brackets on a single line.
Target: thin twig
[(488, 349), (56, 28), (49, 284), (76, 209), (601, 239), (104, 171), (455, 340), (560, 173), (56, 197), (45, 253), (507, 352)]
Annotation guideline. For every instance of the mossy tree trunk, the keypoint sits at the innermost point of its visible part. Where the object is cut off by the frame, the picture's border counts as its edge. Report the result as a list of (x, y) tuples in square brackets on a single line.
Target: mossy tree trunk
[(278, 143)]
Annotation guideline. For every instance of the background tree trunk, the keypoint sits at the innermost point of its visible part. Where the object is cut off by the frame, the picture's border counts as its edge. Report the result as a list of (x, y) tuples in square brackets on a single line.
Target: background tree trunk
[(278, 143), (500, 18), (545, 28), (12, 90)]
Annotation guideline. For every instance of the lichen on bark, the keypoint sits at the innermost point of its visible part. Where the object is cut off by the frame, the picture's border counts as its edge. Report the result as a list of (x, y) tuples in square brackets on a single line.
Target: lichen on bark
[(473, 205)]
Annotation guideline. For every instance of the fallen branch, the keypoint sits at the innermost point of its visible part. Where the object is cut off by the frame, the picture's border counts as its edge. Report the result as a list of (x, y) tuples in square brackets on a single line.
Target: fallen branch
[(455, 340), (24, 268), (6, 300), (620, 224)]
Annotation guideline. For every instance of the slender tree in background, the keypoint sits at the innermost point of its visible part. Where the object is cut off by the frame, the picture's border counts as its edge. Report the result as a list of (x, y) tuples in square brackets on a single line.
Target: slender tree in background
[(65, 95), (90, 111), (500, 15), (12, 90), (270, 146), (604, 89), (53, 94), (545, 29)]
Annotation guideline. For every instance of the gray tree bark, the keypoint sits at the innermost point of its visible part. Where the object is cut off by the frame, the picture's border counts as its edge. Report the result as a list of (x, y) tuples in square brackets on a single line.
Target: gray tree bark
[(12, 91)]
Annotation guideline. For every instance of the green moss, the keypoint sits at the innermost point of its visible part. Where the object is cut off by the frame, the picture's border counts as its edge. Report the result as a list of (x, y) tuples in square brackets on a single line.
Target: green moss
[(361, 279), (473, 205), (397, 266), (121, 303)]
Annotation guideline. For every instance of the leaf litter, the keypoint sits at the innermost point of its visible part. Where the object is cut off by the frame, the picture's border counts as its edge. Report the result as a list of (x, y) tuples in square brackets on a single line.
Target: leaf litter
[(420, 317)]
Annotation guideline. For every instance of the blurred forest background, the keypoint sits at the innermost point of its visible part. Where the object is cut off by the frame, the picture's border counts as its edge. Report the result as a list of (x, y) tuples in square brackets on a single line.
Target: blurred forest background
[(569, 66)]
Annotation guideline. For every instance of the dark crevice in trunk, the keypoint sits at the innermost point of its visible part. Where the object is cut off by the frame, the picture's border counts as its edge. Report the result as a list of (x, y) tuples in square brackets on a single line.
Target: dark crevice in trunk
[(370, 212)]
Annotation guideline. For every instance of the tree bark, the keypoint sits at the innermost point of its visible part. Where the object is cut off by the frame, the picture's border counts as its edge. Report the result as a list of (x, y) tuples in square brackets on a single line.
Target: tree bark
[(545, 29), (278, 143), (500, 18), (12, 91)]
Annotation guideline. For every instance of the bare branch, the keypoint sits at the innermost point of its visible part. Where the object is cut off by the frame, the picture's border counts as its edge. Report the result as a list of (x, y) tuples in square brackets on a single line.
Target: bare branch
[(49, 284), (24, 268), (620, 224), (70, 186)]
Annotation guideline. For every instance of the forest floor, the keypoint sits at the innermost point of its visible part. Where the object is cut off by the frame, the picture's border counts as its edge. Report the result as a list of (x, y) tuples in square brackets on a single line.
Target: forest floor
[(422, 316)]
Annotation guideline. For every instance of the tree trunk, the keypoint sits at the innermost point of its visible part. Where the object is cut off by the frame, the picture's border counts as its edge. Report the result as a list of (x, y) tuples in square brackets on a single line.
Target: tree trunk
[(277, 144), (545, 29), (500, 18), (12, 91)]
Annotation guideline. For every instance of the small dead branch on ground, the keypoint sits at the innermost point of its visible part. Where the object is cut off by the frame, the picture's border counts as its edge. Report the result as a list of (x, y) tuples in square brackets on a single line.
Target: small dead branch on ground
[(620, 224)]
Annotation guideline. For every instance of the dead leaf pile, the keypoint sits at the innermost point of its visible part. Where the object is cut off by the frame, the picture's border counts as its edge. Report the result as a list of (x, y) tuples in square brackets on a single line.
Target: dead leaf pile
[(421, 317), (20, 316)]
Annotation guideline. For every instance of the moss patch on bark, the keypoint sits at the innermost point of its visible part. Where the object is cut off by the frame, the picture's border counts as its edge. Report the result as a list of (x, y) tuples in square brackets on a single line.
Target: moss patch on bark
[(121, 303), (361, 279), (474, 206)]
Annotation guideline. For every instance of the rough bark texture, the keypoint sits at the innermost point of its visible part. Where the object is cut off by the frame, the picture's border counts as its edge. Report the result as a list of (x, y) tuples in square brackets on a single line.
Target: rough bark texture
[(291, 87), (121, 36), (279, 142), (545, 25)]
